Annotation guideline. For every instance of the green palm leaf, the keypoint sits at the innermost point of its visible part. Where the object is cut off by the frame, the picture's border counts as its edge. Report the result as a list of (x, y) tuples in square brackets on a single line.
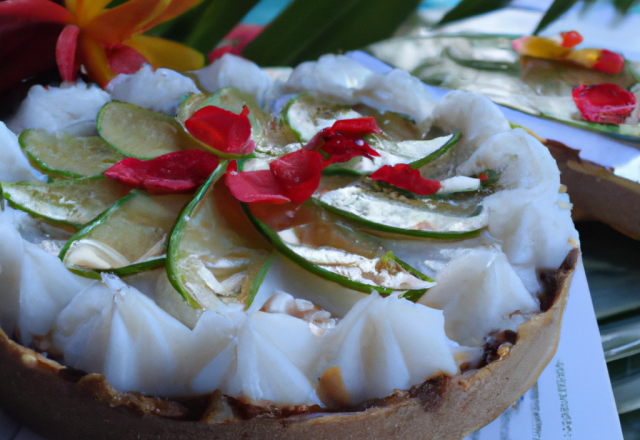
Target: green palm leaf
[(306, 30)]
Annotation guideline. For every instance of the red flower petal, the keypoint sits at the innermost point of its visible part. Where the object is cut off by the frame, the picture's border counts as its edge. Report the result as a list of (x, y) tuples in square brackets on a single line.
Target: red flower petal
[(124, 59), (36, 11), (222, 130), (171, 173), (353, 127), (66, 52), (571, 38), (604, 103), (291, 178), (298, 174), (405, 177), (342, 149), (342, 142), (609, 62), (255, 187)]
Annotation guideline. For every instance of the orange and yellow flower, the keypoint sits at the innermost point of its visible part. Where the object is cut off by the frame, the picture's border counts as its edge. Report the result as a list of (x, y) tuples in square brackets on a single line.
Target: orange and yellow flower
[(103, 41), (562, 49)]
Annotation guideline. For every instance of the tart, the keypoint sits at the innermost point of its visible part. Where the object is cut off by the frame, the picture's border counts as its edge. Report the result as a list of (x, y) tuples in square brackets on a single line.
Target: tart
[(352, 258)]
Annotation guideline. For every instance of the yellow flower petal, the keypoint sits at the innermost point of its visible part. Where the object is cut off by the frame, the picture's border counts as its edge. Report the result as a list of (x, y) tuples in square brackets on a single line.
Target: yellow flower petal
[(585, 57), (165, 53), (71, 5), (176, 8), (116, 25), (87, 10), (94, 59), (541, 47)]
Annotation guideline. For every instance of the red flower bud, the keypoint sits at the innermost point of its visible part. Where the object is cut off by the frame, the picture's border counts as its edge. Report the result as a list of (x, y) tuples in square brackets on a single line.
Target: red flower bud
[(570, 39)]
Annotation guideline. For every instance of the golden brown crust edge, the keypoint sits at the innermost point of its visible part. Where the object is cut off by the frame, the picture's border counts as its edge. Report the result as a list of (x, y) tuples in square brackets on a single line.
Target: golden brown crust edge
[(52, 401)]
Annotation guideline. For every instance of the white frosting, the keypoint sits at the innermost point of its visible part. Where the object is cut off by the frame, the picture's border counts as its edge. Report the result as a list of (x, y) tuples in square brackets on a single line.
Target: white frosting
[(46, 288), (233, 71), (34, 285), (535, 229), (71, 107), (478, 292), (113, 329), (474, 115), (264, 356), (14, 165), (384, 344), (160, 90), (345, 80)]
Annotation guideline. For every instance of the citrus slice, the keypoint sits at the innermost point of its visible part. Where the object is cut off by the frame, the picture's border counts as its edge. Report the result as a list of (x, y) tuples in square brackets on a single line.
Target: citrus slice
[(143, 134), (321, 243), (71, 203), (213, 257), (61, 154), (129, 238)]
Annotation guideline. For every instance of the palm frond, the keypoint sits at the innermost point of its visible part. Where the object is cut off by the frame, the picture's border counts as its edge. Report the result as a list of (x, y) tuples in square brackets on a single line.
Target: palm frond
[(471, 8)]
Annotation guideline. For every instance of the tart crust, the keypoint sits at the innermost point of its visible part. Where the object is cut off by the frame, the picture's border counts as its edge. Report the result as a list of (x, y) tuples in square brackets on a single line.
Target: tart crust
[(62, 403)]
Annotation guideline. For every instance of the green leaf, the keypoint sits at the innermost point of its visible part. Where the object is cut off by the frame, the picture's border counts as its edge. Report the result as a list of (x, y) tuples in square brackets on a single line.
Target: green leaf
[(306, 30), (554, 12), (470, 8), (623, 6), (368, 22), (205, 25)]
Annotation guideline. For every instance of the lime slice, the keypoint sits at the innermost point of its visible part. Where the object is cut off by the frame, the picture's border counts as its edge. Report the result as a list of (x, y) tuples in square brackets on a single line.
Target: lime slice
[(213, 258), (306, 115), (321, 243), (62, 154), (130, 237), (136, 132), (394, 126), (458, 216), (71, 203)]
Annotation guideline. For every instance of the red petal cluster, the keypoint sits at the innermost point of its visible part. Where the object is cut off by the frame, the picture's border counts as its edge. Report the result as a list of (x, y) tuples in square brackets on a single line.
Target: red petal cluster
[(341, 149), (342, 141), (604, 103), (296, 176), (171, 173), (291, 178), (571, 38), (405, 177), (222, 130), (609, 62)]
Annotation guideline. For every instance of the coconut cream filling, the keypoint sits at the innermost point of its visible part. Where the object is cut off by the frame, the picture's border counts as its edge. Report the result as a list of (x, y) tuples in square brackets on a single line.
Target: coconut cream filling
[(141, 338)]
